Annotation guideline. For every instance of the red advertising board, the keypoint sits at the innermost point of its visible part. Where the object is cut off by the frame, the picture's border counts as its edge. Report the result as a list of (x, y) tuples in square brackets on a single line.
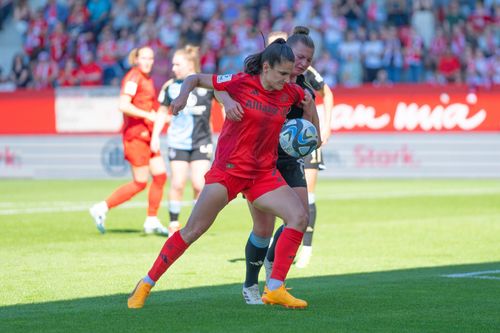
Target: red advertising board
[(400, 109), (27, 112)]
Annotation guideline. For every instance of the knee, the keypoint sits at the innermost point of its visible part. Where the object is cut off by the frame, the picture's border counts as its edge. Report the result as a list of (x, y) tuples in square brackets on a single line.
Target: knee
[(160, 179), (140, 186), (299, 219)]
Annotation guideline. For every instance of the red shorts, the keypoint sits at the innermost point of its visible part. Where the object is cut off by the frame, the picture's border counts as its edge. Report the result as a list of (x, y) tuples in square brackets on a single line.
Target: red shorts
[(138, 152), (251, 188)]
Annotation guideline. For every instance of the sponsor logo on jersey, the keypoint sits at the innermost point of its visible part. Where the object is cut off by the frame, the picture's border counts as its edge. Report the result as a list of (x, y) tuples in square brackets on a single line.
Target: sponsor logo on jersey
[(224, 78)]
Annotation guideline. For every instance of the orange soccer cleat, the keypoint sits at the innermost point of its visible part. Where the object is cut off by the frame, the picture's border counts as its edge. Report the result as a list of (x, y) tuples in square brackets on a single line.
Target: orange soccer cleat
[(281, 296), (138, 297)]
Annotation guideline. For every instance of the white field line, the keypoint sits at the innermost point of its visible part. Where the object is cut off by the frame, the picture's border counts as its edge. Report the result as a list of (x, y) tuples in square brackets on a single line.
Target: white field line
[(15, 208), (475, 275)]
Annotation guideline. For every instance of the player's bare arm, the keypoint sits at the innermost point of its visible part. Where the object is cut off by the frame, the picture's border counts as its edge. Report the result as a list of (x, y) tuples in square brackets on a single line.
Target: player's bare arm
[(232, 109), (191, 82), (126, 106)]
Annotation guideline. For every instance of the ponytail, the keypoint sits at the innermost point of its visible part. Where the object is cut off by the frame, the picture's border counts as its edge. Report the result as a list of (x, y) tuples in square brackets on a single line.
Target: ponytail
[(132, 56), (275, 53)]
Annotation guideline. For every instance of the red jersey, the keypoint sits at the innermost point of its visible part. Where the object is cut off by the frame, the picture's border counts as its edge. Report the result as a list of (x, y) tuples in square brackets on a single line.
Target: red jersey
[(140, 87), (249, 147)]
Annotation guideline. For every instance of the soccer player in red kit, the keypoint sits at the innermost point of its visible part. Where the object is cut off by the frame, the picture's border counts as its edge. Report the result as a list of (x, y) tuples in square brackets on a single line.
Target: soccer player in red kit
[(137, 100), (245, 162)]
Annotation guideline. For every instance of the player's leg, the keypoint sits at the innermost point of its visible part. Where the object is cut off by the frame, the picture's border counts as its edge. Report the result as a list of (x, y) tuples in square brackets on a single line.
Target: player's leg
[(220, 189), (200, 164), (137, 153), (286, 204), (212, 199), (159, 173), (120, 195), (179, 168), (293, 173), (255, 253), (312, 167)]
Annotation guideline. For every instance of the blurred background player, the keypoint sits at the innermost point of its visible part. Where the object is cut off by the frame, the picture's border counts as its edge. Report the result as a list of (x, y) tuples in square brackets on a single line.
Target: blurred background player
[(137, 100), (246, 162), (189, 135)]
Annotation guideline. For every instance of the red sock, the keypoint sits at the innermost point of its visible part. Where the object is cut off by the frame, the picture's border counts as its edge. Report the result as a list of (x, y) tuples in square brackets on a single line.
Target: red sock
[(156, 193), (174, 247), (124, 193), (286, 248)]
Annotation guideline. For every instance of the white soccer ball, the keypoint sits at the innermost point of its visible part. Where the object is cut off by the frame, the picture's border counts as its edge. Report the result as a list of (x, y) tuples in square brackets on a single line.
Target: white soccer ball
[(298, 137)]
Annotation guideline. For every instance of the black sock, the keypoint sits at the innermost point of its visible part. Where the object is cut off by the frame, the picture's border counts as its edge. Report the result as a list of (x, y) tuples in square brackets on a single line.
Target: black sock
[(270, 252), (308, 236), (254, 259), (173, 216)]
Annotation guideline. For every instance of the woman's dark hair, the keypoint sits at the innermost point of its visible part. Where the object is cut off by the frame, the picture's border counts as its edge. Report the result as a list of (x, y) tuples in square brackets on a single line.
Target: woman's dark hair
[(300, 34), (275, 53)]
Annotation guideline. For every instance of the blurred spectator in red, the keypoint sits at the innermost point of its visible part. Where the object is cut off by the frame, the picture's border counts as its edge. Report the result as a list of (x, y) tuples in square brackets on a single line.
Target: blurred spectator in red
[(89, 73), (68, 77), (107, 56), (85, 43), (208, 58), (36, 35), (449, 68), (414, 56), (58, 42), (20, 72), (45, 71), (79, 19), (480, 17)]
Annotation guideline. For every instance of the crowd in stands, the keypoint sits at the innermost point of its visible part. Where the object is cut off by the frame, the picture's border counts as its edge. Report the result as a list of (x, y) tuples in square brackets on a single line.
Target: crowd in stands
[(380, 42)]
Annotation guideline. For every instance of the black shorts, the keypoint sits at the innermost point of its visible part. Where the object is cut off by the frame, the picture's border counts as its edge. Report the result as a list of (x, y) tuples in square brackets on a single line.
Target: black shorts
[(314, 160), (202, 153), (293, 172)]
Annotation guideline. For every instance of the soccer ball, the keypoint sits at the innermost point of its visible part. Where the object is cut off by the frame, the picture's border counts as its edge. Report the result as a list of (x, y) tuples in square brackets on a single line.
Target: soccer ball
[(298, 137)]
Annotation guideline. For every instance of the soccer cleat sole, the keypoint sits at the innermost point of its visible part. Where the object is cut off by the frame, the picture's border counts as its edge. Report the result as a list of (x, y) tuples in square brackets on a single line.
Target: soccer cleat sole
[(284, 305)]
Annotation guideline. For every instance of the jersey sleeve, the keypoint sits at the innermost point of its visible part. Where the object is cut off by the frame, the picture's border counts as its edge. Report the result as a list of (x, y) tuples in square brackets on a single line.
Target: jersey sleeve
[(299, 94), (314, 79), (130, 84), (226, 82), (164, 98)]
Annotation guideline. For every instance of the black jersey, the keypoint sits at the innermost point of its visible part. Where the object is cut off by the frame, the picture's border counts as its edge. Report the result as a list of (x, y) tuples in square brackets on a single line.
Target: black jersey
[(295, 112), (190, 129)]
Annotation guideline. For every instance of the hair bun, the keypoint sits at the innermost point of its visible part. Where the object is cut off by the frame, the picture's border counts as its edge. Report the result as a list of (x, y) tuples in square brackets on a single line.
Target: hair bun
[(301, 30), (279, 41)]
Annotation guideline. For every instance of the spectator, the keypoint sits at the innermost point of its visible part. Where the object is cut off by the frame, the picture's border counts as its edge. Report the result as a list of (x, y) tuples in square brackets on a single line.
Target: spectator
[(449, 68), (414, 56), (45, 71), (107, 56), (382, 79), (352, 71), (68, 77), (352, 11), (22, 16), (89, 73), (453, 16), (121, 15), (20, 72), (334, 27), (328, 67), (397, 12), (393, 56), (58, 42), (422, 21), (99, 14), (373, 52), (55, 12)]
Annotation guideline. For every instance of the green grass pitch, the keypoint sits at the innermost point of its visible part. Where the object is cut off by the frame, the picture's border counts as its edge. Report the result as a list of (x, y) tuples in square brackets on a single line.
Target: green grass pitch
[(389, 256)]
